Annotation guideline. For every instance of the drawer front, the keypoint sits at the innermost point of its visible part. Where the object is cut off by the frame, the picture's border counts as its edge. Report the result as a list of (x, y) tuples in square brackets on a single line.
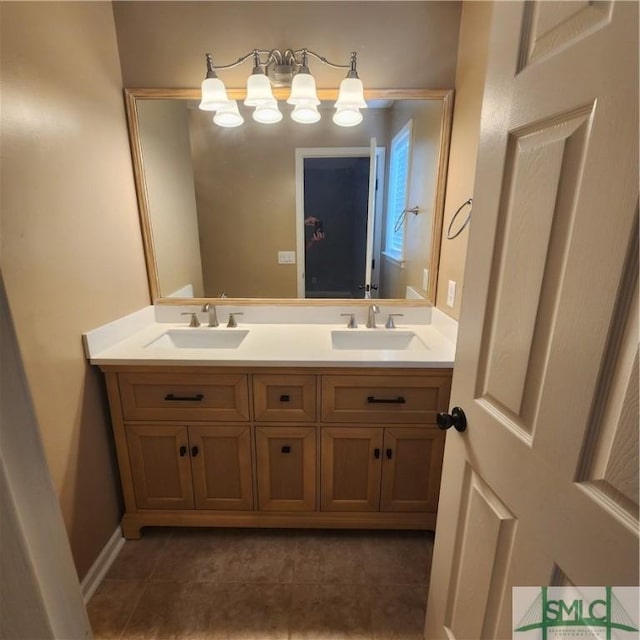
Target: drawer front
[(283, 398), (409, 399), (189, 396)]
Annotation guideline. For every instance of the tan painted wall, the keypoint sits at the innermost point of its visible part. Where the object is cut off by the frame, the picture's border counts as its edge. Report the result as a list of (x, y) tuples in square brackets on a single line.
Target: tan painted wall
[(399, 44), (246, 194), (71, 251), (470, 75), (427, 119), (166, 152)]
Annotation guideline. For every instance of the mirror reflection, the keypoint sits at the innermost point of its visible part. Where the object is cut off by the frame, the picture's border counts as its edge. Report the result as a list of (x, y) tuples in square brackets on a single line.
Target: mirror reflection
[(291, 210)]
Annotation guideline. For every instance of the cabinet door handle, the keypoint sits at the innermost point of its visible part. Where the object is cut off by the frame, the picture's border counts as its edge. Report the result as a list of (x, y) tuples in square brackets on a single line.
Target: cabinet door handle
[(174, 398), (194, 451), (389, 453), (376, 453), (397, 400), (183, 451), (284, 397), (286, 449)]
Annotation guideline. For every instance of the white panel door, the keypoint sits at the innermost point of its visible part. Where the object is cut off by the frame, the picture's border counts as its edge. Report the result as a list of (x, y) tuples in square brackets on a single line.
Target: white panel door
[(542, 488)]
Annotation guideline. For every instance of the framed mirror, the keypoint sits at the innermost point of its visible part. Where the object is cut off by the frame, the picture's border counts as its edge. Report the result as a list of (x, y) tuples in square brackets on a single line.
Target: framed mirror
[(291, 212)]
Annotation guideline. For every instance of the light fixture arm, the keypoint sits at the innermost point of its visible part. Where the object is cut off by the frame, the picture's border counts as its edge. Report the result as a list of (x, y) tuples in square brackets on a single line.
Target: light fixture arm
[(297, 60), (351, 65)]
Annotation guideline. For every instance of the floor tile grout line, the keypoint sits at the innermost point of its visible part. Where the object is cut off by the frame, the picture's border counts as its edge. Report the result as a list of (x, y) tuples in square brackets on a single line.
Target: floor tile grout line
[(133, 610)]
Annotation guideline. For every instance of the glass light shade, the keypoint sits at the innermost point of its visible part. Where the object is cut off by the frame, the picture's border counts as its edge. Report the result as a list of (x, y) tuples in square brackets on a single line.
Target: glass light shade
[(305, 113), (267, 113), (351, 94), (214, 94), (303, 90), (258, 90), (228, 115), (347, 117)]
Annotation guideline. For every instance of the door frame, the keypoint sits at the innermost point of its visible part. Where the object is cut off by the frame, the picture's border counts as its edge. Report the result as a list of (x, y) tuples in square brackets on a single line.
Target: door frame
[(335, 152)]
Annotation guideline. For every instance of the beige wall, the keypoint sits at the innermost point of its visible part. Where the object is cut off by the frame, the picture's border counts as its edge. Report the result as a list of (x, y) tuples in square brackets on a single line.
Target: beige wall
[(246, 193), (399, 44), (426, 120), (71, 251), (166, 152), (470, 75)]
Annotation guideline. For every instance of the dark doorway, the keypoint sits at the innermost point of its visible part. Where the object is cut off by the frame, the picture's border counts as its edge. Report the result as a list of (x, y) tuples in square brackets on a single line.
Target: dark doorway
[(336, 192)]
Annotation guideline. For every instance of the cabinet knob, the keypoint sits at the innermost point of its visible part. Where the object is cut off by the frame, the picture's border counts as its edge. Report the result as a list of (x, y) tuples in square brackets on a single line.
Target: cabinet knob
[(389, 453), (194, 451), (284, 397), (455, 419), (183, 451), (376, 453), (286, 449)]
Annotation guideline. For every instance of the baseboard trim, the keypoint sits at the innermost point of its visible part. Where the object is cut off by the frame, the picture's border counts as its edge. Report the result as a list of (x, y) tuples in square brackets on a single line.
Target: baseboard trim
[(101, 565)]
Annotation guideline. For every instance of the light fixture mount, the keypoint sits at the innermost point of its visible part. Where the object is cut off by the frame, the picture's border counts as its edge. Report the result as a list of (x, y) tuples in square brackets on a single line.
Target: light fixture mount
[(288, 68)]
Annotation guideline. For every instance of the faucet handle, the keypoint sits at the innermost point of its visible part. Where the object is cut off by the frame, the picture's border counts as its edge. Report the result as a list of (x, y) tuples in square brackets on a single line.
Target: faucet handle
[(351, 323), (194, 322), (232, 318), (390, 324)]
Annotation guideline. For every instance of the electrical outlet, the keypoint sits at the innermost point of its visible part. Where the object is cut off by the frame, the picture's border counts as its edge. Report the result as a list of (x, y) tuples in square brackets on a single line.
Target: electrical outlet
[(451, 294), (425, 279), (286, 257)]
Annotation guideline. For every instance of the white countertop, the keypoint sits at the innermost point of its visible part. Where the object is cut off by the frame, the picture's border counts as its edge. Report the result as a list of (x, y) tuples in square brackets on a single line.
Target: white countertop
[(299, 343)]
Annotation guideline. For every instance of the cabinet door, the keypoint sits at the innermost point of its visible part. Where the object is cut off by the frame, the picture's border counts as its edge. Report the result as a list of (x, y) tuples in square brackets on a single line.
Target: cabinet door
[(286, 458), (411, 467), (350, 468), (221, 467), (160, 468)]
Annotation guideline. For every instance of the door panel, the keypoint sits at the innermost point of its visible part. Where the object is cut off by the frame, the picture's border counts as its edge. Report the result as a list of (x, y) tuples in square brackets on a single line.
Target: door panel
[(411, 469), (160, 466), (286, 467), (542, 487), (351, 467), (221, 465)]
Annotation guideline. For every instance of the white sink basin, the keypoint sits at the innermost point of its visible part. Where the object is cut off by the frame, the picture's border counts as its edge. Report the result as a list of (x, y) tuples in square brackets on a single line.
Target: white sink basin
[(200, 339), (384, 339)]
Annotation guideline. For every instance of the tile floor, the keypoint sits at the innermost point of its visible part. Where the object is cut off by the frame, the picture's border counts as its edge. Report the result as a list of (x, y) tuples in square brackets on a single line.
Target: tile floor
[(248, 584)]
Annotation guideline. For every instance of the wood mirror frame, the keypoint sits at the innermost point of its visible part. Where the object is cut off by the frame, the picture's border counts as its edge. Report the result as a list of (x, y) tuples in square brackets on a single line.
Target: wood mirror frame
[(132, 95)]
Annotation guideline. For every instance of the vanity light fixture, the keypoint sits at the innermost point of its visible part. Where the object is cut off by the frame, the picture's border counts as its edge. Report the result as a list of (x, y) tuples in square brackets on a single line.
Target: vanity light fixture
[(282, 69)]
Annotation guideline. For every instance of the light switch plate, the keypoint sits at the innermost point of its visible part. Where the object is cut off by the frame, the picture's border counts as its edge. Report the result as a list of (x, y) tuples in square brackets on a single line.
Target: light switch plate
[(425, 279), (286, 257), (451, 294)]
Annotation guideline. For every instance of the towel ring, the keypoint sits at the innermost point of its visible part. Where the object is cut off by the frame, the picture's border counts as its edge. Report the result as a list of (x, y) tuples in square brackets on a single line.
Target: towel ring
[(464, 224)]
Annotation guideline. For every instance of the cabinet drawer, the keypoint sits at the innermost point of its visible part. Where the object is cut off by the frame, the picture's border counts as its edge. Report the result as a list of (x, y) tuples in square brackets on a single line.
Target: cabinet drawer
[(282, 398), (188, 396), (409, 399)]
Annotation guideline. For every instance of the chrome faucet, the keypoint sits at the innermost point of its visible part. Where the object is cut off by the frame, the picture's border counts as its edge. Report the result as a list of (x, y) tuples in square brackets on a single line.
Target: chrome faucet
[(371, 316), (193, 322), (390, 324), (351, 323), (213, 316), (232, 319)]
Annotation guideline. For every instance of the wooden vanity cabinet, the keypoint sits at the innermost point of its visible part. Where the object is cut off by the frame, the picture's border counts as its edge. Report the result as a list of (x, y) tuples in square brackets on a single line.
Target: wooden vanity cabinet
[(278, 447), (381, 469), (190, 467)]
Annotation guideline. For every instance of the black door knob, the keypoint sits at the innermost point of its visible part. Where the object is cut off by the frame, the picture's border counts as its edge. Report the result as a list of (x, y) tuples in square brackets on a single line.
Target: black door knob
[(455, 419)]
